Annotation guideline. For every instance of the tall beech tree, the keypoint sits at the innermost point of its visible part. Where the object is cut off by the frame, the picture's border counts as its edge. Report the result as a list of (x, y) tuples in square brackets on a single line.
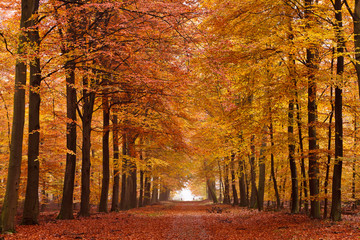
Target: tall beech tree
[(233, 179), (336, 187), (272, 163), (294, 179), (66, 210), (311, 63), (262, 165), (106, 158), (88, 98), (69, 37), (242, 183), (227, 199), (116, 165), (31, 204), (28, 8)]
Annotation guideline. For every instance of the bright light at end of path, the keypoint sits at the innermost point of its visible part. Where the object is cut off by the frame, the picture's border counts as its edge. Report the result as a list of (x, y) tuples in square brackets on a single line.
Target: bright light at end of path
[(184, 195)]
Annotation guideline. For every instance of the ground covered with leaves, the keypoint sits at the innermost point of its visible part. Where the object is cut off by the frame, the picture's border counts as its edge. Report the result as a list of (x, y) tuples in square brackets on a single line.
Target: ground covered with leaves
[(191, 220)]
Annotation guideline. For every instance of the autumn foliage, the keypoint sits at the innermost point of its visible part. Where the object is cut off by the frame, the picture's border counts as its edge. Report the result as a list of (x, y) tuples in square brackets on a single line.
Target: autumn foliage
[(111, 105)]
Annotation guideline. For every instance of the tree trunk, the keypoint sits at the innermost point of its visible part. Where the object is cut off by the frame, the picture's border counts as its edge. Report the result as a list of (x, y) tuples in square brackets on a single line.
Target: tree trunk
[(141, 194), (326, 183), (211, 190), (28, 7), (124, 170), (254, 192), (147, 183), (233, 180), (31, 204), (220, 183), (132, 178), (353, 185), (88, 106), (336, 187), (242, 184), (106, 158), (302, 162), (66, 210), (116, 185), (312, 120), (273, 164), (356, 19), (294, 178), (261, 189), (164, 193), (227, 186), (155, 190)]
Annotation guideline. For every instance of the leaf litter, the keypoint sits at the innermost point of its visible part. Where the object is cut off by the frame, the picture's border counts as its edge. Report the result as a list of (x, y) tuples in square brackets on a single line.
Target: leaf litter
[(190, 220)]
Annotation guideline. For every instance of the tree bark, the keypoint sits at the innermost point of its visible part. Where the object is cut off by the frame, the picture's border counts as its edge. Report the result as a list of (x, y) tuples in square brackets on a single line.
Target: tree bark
[(233, 181), (254, 191), (242, 184), (302, 161), (227, 185), (116, 185), (129, 187), (294, 178), (211, 190), (164, 193), (353, 185), (132, 178), (66, 210), (124, 170), (261, 188), (88, 107), (147, 183), (141, 194), (106, 158), (155, 190), (220, 183), (326, 182), (273, 165)]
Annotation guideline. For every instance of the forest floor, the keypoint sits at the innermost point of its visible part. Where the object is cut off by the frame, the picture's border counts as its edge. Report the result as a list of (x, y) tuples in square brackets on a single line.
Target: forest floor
[(190, 220)]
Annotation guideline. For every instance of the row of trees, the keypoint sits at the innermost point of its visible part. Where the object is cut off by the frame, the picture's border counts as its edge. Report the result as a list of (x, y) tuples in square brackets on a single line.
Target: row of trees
[(123, 58), (272, 82)]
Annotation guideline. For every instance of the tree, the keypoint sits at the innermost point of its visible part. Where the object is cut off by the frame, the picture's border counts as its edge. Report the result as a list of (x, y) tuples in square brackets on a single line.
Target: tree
[(312, 119), (272, 164), (66, 209), (106, 158), (116, 184), (336, 187), (88, 98), (28, 8), (233, 180), (294, 179), (31, 204)]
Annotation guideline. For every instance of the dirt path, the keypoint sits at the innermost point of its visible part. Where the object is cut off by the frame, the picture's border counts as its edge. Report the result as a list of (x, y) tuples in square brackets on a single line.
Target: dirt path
[(186, 225), (188, 221)]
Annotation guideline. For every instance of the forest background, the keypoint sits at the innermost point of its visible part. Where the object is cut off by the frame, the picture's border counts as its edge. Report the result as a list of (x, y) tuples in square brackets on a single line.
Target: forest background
[(250, 101)]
